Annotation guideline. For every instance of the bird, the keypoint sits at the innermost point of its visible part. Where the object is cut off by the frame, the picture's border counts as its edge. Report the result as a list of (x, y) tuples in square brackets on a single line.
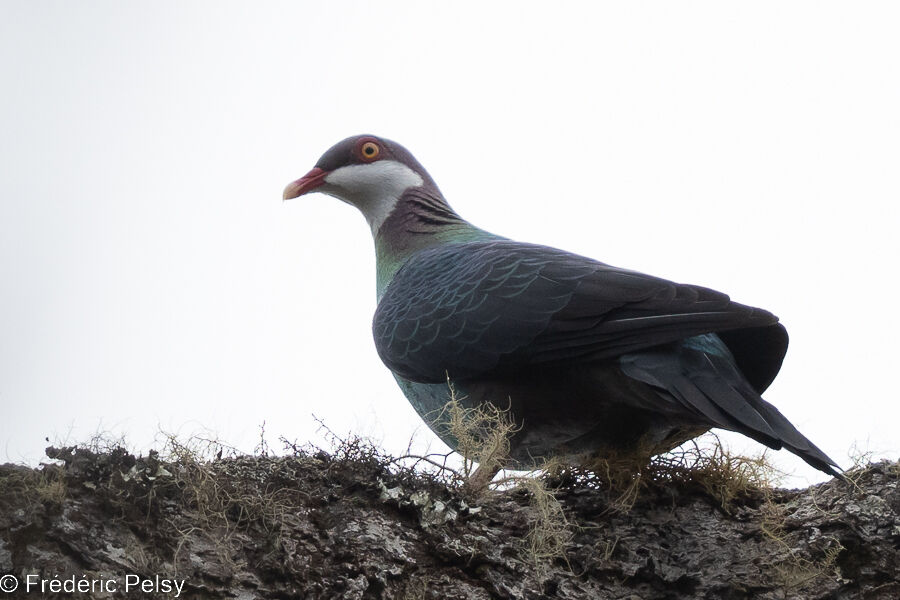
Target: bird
[(587, 358)]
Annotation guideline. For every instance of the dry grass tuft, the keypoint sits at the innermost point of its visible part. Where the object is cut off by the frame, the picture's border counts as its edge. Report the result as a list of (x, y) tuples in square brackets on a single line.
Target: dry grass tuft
[(483, 433), (797, 570), (722, 474), (549, 531), (860, 459), (703, 464), (621, 475), (21, 486), (223, 503)]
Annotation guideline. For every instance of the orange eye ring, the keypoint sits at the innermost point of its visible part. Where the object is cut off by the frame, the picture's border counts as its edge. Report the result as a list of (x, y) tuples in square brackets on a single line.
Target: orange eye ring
[(369, 150)]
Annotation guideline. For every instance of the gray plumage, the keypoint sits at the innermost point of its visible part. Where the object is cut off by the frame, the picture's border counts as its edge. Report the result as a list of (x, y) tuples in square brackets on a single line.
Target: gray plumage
[(588, 357)]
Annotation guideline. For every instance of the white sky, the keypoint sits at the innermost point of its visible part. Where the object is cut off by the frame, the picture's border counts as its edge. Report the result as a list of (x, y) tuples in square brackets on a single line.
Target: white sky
[(150, 276)]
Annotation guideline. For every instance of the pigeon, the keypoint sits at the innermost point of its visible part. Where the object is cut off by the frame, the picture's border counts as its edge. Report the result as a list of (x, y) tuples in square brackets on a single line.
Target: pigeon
[(588, 358)]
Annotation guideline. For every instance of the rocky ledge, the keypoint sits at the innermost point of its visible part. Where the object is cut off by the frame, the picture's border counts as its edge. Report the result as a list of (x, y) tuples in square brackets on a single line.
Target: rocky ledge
[(352, 525)]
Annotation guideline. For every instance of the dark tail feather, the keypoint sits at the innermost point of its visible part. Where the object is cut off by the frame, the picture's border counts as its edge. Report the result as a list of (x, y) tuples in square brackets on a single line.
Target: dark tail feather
[(713, 389), (777, 430)]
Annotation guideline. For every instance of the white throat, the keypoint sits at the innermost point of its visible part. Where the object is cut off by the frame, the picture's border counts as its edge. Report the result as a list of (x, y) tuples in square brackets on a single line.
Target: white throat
[(373, 188)]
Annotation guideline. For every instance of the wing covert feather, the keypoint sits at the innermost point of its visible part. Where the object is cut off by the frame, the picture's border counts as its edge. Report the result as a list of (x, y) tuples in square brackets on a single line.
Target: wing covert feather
[(472, 309)]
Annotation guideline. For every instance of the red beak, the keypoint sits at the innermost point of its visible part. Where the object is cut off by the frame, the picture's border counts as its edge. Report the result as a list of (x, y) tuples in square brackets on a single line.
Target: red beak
[(305, 184)]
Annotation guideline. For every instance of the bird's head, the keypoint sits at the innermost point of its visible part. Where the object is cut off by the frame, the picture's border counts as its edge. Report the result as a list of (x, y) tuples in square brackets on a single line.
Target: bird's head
[(368, 172)]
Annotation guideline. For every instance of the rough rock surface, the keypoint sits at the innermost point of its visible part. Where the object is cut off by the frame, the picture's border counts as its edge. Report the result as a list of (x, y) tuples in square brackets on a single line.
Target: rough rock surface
[(315, 525)]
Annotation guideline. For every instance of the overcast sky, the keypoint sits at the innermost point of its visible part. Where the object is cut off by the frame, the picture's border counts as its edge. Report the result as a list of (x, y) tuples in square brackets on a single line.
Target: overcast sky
[(151, 277)]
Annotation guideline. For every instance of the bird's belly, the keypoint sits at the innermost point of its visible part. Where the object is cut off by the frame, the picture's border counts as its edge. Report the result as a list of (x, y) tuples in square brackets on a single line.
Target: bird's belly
[(592, 409)]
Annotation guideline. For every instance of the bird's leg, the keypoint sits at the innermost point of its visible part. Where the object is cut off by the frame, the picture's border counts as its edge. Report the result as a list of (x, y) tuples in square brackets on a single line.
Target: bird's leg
[(479, 479)]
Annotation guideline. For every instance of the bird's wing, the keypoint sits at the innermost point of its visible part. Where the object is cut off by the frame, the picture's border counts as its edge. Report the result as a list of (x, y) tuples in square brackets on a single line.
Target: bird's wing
[(471, 309)]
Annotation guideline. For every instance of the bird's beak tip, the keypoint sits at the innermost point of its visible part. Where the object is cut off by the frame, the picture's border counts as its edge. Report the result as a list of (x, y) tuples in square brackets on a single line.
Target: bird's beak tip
[(305, 184)]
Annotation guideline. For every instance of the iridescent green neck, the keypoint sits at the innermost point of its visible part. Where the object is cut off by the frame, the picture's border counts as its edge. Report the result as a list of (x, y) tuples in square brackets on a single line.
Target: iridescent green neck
[(420, 219), (392, 252)]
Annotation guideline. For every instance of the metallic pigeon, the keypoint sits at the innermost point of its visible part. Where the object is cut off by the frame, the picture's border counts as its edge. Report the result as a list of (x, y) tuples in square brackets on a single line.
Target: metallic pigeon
[(589, 358)]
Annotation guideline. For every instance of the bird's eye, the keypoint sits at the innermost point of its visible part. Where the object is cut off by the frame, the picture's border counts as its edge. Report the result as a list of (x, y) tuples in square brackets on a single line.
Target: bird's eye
[(370, 150)]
